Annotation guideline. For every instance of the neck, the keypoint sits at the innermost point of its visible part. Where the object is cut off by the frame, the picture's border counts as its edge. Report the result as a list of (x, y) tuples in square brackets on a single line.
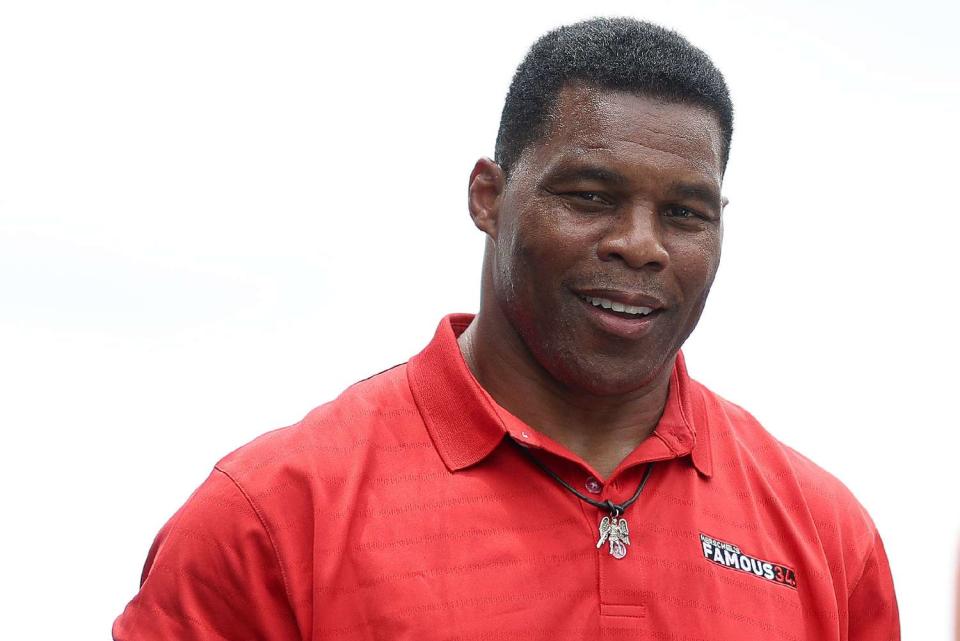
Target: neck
[(602, 430)]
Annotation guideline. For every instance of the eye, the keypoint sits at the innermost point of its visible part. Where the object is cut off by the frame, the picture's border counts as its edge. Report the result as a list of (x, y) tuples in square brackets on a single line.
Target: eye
[(590, 197), (679, 211)]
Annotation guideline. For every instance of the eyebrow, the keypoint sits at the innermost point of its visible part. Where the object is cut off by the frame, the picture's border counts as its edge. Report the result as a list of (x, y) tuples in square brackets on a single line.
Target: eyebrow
[(585, 172), (696, 191)]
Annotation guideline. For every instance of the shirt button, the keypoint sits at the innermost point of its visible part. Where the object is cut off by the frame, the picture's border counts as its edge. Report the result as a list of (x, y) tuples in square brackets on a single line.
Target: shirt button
[(593, 485)]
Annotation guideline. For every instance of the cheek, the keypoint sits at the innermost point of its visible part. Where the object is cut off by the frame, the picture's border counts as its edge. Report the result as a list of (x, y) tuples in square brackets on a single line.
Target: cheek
[(696, 263), (540, 248), (519, 263)]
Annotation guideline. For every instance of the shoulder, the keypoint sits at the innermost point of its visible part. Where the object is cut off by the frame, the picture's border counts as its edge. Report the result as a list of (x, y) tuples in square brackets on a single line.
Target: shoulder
[(376, 414), (739, 439), (817, 502)]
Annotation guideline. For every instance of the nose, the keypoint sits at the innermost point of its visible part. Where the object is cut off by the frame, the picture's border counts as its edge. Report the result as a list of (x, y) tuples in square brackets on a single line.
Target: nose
[(636, 238)]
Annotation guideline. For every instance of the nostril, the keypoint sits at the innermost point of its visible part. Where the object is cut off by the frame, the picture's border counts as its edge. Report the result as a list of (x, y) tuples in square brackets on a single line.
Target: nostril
[(651, 255), (635, 239)]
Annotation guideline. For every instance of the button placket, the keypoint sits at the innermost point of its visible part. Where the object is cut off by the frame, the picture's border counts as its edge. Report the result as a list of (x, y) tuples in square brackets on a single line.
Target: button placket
[(621, 580)]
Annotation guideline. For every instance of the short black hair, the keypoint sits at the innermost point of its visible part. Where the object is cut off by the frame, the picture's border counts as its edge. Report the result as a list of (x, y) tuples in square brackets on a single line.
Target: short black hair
[(619, 54)]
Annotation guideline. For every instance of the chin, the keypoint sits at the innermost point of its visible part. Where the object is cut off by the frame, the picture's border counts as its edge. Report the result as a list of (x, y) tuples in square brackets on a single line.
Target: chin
[(603, 378)]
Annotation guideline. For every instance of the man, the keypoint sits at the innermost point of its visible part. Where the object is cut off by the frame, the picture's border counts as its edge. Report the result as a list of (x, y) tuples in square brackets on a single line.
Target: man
[(546, 469)]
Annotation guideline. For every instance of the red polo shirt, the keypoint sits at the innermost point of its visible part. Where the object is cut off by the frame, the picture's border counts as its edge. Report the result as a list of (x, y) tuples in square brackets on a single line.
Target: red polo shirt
[(398, 511)]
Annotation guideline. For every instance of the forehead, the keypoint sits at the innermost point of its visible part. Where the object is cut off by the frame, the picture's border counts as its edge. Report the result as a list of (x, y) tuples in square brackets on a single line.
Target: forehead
[(588, 123)]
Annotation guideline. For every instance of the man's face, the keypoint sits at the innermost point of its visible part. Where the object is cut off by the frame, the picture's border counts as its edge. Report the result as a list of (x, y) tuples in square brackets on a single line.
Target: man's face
[(615, 212)]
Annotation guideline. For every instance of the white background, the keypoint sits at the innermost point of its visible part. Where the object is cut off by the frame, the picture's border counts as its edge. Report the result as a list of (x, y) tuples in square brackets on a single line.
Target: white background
[(216, 215)]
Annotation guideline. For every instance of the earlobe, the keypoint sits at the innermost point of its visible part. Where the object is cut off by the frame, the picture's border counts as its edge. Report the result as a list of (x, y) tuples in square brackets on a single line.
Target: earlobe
[(485, 194)]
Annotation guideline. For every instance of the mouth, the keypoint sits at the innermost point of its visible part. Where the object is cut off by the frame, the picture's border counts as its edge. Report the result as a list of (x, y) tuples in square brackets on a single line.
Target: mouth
[(620, 309), (620, 314)]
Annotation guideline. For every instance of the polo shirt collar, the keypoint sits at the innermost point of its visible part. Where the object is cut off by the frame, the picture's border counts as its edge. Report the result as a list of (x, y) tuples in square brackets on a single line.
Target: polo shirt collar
[(465, 425)]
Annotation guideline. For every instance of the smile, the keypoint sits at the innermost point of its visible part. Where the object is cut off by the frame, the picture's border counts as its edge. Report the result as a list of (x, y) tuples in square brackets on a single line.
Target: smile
[(613, 305)]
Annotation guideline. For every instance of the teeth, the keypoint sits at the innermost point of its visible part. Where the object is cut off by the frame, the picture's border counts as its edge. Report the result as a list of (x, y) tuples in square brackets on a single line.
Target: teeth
[(617, 307)]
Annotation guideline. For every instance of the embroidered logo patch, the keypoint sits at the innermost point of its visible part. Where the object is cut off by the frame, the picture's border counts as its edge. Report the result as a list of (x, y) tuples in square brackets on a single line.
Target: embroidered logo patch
[(730, 556)]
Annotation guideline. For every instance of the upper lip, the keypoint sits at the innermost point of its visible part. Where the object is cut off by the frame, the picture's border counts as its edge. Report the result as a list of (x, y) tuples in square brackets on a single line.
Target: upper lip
[(634, 299)]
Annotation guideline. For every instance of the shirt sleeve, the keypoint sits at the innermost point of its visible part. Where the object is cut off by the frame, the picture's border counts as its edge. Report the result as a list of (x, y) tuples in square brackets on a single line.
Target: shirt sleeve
[(872, 605), (212, 574)]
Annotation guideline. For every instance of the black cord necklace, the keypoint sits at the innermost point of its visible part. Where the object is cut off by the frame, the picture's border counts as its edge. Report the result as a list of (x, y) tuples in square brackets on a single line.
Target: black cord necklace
[(612, 528)]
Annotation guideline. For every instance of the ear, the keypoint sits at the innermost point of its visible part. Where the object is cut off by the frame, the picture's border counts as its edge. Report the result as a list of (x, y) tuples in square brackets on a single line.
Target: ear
[(485, 194)]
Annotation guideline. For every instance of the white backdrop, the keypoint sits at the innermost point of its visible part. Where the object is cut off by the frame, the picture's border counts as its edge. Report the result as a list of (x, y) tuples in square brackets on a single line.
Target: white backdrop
[(216, 215)]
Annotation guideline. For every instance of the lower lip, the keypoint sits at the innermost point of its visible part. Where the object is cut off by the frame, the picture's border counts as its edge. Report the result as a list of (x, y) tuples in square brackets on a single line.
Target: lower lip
[(618, 325)]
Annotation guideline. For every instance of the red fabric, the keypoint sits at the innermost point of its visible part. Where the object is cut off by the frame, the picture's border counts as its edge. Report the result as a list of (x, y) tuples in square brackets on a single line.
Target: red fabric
[(397, 511)]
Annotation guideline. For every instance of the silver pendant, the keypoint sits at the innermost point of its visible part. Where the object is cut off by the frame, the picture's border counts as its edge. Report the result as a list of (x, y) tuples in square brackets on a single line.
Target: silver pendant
[(615, 531)]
